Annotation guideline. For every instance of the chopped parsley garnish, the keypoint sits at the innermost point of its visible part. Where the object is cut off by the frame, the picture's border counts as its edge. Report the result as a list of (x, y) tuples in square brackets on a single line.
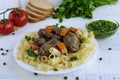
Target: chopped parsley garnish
[(83, 40), (27, 38), (62, 27), (31, 53), (74, 58)]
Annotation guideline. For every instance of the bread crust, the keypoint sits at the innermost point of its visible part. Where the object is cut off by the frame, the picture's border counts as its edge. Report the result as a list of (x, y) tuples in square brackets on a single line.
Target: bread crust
[(37, 11), (37, 7), (38, 16), (33, 20)]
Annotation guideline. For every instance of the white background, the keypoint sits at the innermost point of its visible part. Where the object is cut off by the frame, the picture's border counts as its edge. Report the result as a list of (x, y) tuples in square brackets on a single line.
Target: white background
[(107, 69)]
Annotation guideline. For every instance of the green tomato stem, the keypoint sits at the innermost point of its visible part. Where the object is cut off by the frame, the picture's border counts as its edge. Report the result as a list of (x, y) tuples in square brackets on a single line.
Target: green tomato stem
[(6, 11), (3, 16)]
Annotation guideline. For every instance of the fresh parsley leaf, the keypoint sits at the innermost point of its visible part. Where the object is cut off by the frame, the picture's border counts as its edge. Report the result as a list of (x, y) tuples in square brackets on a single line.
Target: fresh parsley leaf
[(62, 27), (74, 58), (78, 8), (83, 40), (31, 53), (27, 38)]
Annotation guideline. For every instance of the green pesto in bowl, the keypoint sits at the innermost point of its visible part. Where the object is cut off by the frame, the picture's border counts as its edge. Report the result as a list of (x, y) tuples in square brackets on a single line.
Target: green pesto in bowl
[(102, 28)]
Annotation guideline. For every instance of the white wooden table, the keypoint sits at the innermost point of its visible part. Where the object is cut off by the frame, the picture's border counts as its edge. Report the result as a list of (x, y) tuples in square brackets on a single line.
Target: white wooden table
[(106, 69)]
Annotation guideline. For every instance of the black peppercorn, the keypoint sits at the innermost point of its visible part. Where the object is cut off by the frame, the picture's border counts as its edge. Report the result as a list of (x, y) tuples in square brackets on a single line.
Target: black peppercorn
[(65, 77), (77, 78), (13, 33), (35, 73), (2, 53), (7, 50), (4, 63), (1, 49), (100, 59), (109, 48)]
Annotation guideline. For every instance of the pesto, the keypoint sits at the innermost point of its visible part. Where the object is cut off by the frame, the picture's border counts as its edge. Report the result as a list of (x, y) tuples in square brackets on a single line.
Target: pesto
[(102, 28)]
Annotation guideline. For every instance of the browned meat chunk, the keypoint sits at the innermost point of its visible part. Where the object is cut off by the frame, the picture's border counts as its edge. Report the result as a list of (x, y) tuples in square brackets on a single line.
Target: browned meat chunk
[(44, 49), (56, 30), (57, 37), (72, 42), (39, 41), (45, 34)]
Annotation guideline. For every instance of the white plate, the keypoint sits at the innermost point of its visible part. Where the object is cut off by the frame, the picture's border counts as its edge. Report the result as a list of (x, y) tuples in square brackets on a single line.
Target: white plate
[(32, 69)]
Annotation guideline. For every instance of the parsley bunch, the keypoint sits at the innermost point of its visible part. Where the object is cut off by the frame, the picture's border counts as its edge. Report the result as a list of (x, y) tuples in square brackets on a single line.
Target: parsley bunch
[(77, 8)]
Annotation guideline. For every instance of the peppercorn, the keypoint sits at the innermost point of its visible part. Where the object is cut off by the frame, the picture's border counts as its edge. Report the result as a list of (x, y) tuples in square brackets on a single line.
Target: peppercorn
[(35, 73), (7, 50), (13, 33), (77, 78), (2, 53), (4, 63), (65, 77), (100, 59), (1, 49), (109, 48)]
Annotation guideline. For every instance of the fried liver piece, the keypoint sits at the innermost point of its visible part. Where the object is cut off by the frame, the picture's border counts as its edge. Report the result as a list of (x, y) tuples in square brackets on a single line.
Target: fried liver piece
[(72, 42)]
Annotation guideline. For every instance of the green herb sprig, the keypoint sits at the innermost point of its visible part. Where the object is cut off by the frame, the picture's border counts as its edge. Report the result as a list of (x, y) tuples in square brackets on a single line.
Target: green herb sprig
[(74, 58), (79, 8), (31, 53), (27, 38), (83, 40)]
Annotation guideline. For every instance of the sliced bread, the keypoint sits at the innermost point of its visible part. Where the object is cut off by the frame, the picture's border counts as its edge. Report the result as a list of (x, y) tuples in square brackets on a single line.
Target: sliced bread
[(38, 11), (32, 19), (42, 5), (38, 16)]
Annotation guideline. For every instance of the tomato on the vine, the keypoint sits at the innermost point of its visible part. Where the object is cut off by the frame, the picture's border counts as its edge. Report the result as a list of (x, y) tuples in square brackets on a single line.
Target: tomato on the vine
[(19, 17), (6, 26)]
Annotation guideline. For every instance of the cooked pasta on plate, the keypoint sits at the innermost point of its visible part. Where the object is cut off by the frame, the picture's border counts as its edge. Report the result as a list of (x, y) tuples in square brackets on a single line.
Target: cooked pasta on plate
[(55, 49)]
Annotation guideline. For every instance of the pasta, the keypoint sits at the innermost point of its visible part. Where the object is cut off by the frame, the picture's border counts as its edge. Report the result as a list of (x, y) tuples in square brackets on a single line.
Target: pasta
[(54, 51), (44, 59), (56, 60), (43, 67), (75, 63), (58, 66), (64, 58)]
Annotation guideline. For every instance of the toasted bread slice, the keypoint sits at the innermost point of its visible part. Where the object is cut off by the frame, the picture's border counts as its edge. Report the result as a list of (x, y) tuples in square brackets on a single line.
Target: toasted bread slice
[(38, 11), (38, 16), (42, 5), (33, 20)]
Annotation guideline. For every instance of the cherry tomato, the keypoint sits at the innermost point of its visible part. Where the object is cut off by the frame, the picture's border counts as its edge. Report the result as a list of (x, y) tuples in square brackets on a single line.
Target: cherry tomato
[(34, 46), (19, 17), (6, 26)]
